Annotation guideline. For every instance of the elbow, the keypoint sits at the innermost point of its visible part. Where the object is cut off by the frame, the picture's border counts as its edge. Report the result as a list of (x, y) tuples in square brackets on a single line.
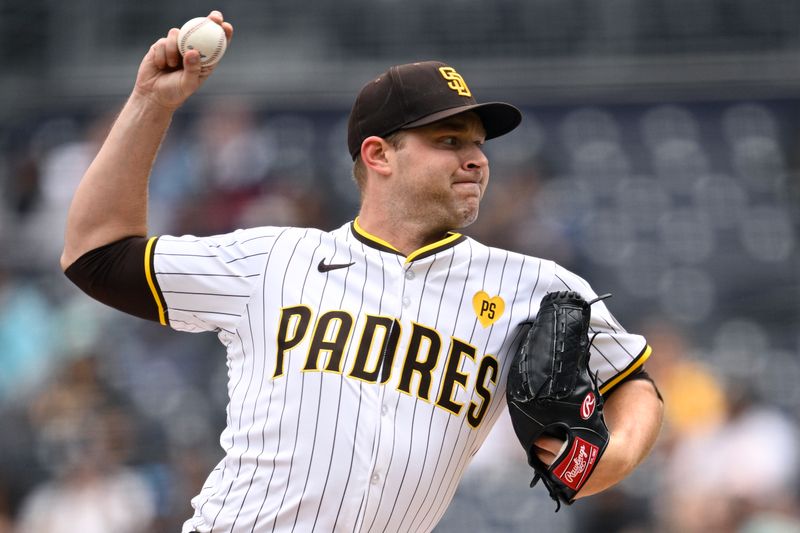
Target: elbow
[(654, 411), (657, 400), (66, 259), (65, 262)]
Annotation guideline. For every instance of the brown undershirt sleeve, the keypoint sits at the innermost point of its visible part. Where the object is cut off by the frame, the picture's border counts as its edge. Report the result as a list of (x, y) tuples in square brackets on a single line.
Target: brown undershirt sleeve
[(121, 275), (640, 373)]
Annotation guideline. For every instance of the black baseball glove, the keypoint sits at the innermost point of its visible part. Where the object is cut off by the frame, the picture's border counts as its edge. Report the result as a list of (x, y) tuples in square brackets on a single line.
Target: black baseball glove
[(551, 391)]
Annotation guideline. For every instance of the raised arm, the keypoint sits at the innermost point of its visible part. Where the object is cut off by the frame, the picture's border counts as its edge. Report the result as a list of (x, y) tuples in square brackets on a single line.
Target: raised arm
[(111, 200)]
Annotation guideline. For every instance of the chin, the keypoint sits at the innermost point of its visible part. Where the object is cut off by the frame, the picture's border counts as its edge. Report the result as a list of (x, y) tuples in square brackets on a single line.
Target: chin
[(468, 216)]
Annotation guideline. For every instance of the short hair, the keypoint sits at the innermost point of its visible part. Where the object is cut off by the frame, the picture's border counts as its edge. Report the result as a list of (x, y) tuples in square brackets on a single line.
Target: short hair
[(360, 171)]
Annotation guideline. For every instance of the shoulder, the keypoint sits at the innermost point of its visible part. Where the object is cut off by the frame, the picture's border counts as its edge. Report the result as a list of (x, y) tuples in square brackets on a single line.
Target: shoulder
[(531, 272), (495, 256), (551, 275), (253, 236), (516, 272)]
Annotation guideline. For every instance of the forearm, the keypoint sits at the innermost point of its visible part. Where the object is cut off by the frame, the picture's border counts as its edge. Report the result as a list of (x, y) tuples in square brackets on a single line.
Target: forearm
[(634, 414), (111, 200)]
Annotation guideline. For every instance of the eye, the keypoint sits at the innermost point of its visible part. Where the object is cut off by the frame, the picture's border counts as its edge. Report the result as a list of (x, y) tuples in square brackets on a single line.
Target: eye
[(450, 141)]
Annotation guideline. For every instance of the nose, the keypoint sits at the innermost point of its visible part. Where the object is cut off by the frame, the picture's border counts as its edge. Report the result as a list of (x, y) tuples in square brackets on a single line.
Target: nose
[(475, 159)]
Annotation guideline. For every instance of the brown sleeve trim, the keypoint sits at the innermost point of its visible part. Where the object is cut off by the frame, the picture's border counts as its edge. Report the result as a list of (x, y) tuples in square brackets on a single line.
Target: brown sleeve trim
[(640, 373), (121, 275)]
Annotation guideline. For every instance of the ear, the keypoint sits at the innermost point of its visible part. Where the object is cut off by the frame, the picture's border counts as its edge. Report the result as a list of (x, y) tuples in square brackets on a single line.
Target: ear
[(375, 155)]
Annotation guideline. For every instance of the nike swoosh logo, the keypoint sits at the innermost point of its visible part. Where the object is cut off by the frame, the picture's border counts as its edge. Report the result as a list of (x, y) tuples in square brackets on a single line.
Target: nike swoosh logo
[(322, 267)]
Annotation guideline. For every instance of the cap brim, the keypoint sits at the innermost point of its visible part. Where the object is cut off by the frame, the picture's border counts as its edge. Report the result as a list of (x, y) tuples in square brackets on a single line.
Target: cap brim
[(498, 118)]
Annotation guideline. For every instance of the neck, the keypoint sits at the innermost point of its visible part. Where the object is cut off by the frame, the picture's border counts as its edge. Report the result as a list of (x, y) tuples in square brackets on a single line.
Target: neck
[(406, 236)]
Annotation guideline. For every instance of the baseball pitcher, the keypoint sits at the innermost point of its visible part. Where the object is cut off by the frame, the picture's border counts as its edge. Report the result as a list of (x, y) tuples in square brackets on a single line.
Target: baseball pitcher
[(366, 364)]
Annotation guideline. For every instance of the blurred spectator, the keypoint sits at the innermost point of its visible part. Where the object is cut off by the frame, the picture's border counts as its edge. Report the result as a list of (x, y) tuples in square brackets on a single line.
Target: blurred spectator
[(61, 159), (27, 334), (230, 157), (23, 189), (615, 511), (735, 473), (694, 399), (84, 439)]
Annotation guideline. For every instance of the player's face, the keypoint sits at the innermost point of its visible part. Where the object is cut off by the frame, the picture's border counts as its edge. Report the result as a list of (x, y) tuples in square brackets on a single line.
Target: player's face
[(441, 172)]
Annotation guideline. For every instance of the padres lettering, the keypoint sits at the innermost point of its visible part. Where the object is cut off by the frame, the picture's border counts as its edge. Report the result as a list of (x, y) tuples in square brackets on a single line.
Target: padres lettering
[(376, 351)]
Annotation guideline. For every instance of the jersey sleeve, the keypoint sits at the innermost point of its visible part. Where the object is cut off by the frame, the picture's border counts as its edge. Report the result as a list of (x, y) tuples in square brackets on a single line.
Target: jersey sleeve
[(205, 284), (615, 354)]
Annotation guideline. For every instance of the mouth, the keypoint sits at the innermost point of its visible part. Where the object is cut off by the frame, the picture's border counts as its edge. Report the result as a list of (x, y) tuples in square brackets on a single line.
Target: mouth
[(467, 185)]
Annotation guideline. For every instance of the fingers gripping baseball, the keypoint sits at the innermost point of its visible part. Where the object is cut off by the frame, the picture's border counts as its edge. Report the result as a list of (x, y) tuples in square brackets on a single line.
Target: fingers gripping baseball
[(169, 78)]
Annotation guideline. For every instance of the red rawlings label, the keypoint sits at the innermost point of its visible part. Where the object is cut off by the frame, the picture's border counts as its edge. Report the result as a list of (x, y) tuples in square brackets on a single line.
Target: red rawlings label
[(576, 466), (588, 405)]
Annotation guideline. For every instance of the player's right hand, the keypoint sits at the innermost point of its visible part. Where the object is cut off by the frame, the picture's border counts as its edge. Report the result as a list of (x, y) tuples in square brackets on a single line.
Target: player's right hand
[(167, 78)]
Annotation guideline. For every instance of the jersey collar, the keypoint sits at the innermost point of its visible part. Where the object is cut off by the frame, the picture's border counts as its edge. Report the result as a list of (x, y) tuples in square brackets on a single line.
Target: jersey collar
[(450, 240)]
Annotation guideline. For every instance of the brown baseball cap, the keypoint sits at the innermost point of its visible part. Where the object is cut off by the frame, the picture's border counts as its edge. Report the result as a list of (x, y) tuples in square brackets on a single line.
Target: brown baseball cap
[(416, 94)]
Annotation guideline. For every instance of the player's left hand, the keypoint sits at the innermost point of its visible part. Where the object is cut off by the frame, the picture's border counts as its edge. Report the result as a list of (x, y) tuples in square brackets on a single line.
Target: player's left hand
[(552, 393), (548, 448)]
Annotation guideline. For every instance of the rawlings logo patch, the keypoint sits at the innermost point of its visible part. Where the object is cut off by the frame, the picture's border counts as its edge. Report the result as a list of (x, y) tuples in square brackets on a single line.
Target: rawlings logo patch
[(588, 405), (578, 464)]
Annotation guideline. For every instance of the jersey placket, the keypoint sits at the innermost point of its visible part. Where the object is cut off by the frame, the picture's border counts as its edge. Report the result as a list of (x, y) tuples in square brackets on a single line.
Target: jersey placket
[(406, 291)]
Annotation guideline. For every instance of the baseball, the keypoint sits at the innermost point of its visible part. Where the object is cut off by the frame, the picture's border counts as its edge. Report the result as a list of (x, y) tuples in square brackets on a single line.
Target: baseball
[(205, 36)]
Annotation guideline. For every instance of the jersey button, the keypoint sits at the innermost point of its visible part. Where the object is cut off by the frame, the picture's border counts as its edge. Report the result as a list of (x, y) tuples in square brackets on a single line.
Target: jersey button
[(375, 479), (406, 301), (384, 410), (410, 274)]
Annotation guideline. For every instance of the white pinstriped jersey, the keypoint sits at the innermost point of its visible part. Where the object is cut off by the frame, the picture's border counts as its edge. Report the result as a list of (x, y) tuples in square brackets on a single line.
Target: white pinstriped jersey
[(361, 381)]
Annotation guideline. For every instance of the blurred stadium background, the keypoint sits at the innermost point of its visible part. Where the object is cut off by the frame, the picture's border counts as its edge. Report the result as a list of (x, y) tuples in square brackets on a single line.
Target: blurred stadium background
[(658, 158)]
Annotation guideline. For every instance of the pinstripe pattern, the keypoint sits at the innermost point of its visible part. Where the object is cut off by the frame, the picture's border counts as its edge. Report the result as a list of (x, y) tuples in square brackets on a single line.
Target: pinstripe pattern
[(311, 446)]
